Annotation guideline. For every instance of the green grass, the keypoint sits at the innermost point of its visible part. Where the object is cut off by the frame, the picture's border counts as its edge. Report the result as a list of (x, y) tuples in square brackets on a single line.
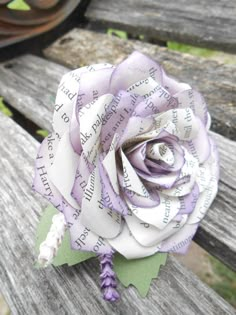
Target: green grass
[(4, 109), (42, 132), (203, 52), (117, 33), (223, 281)]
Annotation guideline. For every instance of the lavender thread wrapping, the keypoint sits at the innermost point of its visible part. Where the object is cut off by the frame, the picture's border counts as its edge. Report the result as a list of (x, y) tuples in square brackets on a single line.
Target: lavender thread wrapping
[(108, 278)]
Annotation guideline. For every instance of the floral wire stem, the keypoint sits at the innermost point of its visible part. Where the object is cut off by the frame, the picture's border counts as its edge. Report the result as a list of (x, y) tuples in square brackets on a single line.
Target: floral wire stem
[(108, 278), (48, 249)]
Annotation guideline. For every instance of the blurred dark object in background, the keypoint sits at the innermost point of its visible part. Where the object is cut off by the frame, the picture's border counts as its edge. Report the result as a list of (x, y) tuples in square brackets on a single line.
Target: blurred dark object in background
[(28, 26), (22, 19)]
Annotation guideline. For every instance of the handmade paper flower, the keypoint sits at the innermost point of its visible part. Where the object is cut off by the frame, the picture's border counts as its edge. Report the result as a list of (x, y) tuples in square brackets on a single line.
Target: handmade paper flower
[(130, 163)]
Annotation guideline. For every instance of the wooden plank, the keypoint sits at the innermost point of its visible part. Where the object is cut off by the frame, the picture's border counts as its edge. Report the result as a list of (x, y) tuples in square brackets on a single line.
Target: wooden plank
[(29, 84), (200, 23), (73, 290), (217, 233), (214, 80)]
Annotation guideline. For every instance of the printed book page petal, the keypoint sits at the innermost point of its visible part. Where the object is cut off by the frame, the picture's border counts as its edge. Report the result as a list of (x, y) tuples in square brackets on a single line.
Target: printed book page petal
[(145, 87), (109, 164), (110, 198), (161, 180), (93, 84), (136, 127), (75, 133), (204, 201), (136, 156), (199, 147), (160, 215), (207, 196), (149, 235), (127, 246), (189, 201), (131, 180), (159, 101), (186, 124), (140, 201), (42, 182), (194, 100), (62, 172), (116, 116), (135, 68), (101, 220), (83, 172), (81, 237), (74, 121), (91, 125), (172, 85), (66, 100), (179, 242)]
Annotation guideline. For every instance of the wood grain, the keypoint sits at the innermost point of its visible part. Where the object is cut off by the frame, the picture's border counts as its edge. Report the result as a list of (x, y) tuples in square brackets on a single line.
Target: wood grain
[(72, 290), (30, 84), (201, 23), (217, 232), (214, 80)]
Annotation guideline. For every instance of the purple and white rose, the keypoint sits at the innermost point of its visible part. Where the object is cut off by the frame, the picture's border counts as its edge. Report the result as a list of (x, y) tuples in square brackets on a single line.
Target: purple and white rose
[(130, 163)]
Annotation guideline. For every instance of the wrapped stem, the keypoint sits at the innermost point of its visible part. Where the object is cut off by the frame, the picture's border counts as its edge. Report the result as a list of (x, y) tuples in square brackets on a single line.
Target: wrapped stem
[(48, 249), (108, 278)]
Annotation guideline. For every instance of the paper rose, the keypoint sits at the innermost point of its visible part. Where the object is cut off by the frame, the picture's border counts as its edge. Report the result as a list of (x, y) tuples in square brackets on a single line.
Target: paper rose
[(130, 163)]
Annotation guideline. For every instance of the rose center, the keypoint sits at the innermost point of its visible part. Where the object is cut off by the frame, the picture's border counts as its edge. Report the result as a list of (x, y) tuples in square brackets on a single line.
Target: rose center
[(160, 152)]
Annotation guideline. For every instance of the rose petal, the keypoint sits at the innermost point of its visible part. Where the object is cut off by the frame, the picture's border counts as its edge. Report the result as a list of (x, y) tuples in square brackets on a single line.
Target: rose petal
[(172, 85), (95, 216), (147, 234), (109, 163), (42, 183), (110, 198), (127, 246), (208, 194), (199, 147), (186, 124), (144, 202), (74, 121), (161, 180), (65, 100), (136, 126), (93, 85), (131, 180), (194, 100), (158, 101), (135, 68), (160, 215), (180, 241), (116, 116), (137, 156), (81, 237), (144, 88), (91, 126), (62, 172), (188, 202), (83, 172)]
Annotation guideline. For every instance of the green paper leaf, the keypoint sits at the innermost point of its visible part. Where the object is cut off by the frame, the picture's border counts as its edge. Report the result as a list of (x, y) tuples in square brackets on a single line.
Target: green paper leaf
[(18, 5), (139, 272), (4, 109), (65, 254)]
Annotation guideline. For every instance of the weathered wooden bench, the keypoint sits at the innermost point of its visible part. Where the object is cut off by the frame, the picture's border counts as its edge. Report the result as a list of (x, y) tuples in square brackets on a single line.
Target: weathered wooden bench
[(29, 83)]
